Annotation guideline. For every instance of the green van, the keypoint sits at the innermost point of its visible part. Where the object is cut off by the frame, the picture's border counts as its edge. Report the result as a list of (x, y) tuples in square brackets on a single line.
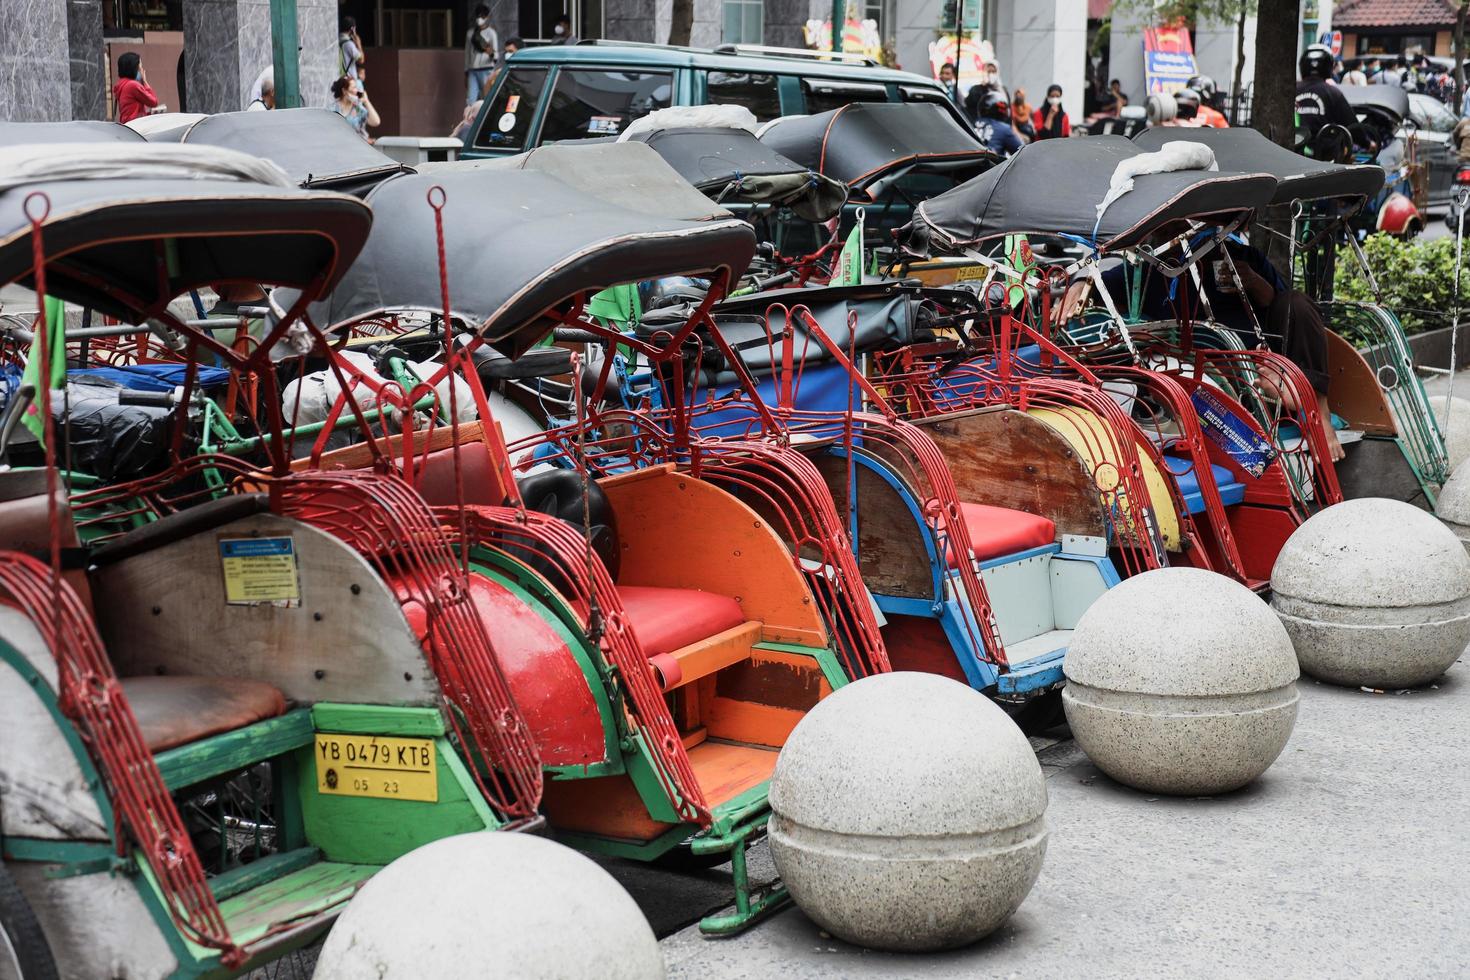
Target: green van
[(596, 89)]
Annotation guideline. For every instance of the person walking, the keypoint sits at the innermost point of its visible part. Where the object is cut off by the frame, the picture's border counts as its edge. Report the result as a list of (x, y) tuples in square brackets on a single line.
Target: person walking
[(349, 49), (351, 102), (132, 95), (562, 28), (1051, 119), (481, 49), (265, 91), (994, 125)]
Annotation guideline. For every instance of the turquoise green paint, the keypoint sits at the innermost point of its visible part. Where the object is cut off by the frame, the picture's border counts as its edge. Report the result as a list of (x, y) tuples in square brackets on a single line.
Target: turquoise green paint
[(733, 815), (189, 765), (374, 719), (71, 853), (635, 850)]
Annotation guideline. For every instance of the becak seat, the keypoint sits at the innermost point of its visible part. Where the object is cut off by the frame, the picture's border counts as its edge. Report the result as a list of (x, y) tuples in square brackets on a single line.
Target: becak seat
[(665, 620), (174, 711), (999, 531)]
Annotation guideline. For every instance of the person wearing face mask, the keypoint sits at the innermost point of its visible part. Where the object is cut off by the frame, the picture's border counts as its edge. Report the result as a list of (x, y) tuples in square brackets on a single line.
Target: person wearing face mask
[(563, 30), (481, 45), (1051, 119)]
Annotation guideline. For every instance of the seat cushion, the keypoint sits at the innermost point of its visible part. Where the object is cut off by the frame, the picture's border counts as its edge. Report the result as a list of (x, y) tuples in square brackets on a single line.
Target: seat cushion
[(666, 619), (999, 531), (173, 711), (1231, 491)]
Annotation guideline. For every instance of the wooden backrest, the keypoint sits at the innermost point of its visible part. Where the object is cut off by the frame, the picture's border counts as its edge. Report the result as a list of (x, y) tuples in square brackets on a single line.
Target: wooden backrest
[(434, 473), (199, 605)]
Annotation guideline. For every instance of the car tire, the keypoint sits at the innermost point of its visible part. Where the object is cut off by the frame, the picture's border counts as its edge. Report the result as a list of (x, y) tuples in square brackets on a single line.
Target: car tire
[(23, 947)]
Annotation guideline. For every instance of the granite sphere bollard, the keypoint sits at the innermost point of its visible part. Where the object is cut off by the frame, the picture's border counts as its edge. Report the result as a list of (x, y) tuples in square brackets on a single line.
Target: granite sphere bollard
[(491, 904), (907, 813), (1180, 681), (1454, 425), (1375, 593), (1453, 505)]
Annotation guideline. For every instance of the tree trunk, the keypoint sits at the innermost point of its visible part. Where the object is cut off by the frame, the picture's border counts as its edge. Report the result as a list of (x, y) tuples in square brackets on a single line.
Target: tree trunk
[(1273, 100), (1273, 109), (1460, 55), (681, 25), (1235, 84)]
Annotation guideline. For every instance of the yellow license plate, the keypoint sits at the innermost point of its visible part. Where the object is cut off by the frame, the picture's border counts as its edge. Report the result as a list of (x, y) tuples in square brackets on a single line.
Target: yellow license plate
[(368, 765)]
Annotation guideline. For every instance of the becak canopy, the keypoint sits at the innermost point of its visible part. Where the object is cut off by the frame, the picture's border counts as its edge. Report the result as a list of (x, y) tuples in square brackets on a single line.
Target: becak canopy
[(864, 143), (1054, 187), (1298, 178)]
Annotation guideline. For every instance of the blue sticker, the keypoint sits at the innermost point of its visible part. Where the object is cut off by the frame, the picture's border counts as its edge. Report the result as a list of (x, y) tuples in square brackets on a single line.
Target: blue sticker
[(1233, 434)]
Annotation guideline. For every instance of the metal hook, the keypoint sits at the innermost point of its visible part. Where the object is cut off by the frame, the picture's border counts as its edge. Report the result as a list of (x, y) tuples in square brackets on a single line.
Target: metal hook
[(443, 197), (44, 199)]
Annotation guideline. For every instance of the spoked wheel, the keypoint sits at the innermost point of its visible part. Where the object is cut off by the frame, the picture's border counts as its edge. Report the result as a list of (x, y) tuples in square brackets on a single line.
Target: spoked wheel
[(24, 952)]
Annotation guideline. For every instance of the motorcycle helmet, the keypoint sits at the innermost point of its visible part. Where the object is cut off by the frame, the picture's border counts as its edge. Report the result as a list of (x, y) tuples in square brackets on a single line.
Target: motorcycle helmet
[(1205, 86), (1186, 101), (996, 105), (1316, 62)]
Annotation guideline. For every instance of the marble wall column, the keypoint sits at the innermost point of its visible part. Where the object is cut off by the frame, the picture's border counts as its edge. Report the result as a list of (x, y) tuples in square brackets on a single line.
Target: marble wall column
[(227, 44), (35, 73), (85, 56), (1042, 43)]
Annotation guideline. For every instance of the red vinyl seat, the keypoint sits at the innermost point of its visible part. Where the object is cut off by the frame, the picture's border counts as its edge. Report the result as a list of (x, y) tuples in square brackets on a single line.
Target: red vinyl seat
[(999, 531), (666, 619)]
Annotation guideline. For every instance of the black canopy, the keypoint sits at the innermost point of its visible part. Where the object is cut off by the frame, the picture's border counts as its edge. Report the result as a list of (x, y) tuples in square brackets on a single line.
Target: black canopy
[(316, 147), (863, 142), (107, 239), (731, 165), (520, 244), (1390, 99), (1298, 178), (1053, 187), (78, 131)]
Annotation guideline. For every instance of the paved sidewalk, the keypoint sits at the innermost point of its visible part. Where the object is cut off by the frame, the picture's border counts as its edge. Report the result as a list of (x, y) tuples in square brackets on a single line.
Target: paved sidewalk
[(1348, 858)]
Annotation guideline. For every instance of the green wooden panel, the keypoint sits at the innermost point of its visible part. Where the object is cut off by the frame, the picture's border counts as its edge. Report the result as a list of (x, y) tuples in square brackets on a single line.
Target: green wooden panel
[(322, 887), (191, 764), (375, 719), (239, 880), (367, 830)]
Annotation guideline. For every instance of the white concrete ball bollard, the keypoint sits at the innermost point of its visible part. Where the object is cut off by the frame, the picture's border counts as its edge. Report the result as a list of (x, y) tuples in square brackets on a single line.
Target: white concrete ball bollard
[(491, 904), (1375, 593), (1180, 681), (1453, 505), (1454, 425), (907, 813)]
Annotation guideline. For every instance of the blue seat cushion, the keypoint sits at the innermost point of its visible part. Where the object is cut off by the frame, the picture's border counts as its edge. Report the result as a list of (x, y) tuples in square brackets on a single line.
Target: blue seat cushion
[(1231, 492)]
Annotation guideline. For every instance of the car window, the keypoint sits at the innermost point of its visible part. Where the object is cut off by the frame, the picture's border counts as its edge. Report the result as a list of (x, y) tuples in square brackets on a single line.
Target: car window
[(823, 94), (602, 102), (758, 93), (1435, 116), (511, 109), (922, 93)]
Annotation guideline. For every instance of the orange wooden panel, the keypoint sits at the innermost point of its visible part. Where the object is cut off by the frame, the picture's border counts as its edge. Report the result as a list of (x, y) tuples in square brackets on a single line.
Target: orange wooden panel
[(1353, 391), (762, 700), (679, 532), (725, 771), (721, 650), (606, 805)]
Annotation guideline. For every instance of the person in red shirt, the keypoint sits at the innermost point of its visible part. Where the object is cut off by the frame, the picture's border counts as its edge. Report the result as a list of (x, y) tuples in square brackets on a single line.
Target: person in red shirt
[(132, 94), (1051, 119)]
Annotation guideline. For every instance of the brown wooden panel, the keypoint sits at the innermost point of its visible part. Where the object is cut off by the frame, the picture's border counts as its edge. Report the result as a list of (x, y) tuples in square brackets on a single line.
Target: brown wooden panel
[(1353, 391), (1006, 458), (891, 554)]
